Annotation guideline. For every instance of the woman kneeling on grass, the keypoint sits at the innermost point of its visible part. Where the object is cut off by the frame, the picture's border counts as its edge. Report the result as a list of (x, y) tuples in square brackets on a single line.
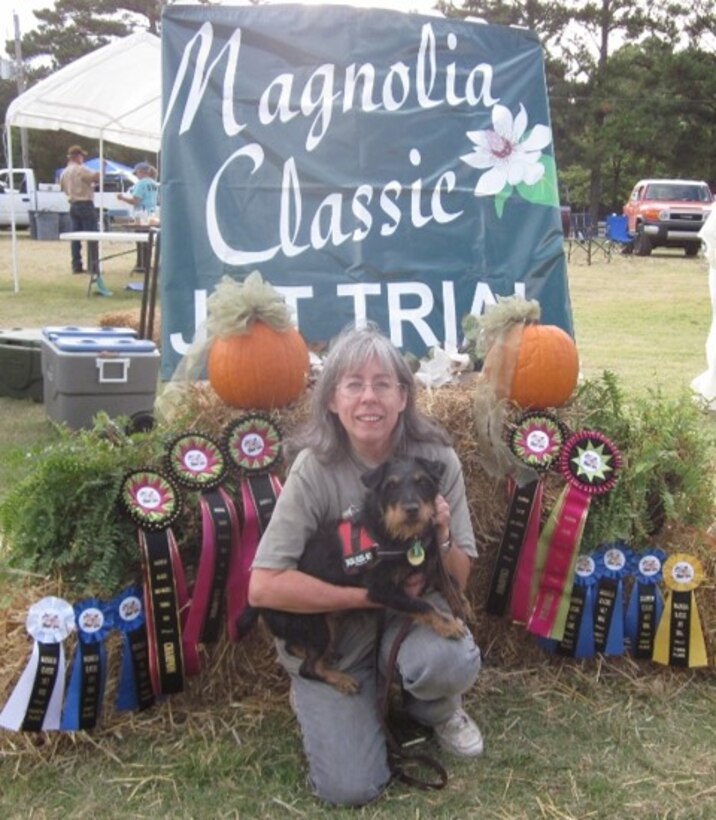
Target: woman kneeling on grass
[(363, 413)]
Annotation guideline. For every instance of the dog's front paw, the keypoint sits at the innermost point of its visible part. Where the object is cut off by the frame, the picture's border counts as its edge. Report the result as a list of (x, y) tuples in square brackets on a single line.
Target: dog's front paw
[(345, 684), (448, 627)]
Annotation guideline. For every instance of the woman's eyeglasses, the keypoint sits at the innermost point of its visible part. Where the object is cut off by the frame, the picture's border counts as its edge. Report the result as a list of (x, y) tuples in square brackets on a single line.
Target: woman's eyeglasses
[(353, 388)]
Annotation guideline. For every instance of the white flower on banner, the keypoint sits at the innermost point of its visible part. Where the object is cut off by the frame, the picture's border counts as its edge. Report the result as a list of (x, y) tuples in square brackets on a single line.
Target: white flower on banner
[(510, 157)]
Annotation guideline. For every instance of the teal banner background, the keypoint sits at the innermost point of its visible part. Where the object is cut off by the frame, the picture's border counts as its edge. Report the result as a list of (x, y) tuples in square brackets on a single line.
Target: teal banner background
[(335, 150)]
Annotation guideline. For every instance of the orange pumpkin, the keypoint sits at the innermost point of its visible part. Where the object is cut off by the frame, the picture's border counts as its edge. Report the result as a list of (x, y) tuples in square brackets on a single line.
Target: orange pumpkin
[(259, 370), (535, 366), (546, 369)]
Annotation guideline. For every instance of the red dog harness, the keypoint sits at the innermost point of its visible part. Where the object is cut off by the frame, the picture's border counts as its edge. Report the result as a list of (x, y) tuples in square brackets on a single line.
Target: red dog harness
[(361, 551)]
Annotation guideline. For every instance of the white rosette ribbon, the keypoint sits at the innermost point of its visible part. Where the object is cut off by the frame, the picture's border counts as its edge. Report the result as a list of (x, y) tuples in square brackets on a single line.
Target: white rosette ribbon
[(36, 701)]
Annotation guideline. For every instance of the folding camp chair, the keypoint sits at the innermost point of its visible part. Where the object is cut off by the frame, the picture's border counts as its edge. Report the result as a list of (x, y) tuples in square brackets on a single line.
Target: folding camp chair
[(618, 234), (581, 235)]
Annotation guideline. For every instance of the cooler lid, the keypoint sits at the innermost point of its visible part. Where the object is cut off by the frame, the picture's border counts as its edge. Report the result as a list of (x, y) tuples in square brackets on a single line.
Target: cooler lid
[(102, 344), (30, 337), (71, 330)]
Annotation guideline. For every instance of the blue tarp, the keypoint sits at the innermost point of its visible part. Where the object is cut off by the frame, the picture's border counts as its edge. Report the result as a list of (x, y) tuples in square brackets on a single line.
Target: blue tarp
[(112, 168)]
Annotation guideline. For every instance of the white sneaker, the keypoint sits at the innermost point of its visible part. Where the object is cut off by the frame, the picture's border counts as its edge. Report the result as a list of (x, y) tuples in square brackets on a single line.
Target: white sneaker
[(292, 700), (459, 734)]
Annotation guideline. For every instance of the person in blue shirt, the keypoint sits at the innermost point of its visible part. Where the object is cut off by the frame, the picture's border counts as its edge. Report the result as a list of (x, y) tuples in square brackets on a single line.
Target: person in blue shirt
[(143, 194), (143, 198)]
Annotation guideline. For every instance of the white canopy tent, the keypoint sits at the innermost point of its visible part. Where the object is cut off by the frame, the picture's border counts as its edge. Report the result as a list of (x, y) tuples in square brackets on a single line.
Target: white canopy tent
[(113, 94)]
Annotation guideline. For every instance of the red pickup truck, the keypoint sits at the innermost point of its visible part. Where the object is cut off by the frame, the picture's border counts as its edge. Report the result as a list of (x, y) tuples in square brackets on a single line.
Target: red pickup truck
[(667, 213)]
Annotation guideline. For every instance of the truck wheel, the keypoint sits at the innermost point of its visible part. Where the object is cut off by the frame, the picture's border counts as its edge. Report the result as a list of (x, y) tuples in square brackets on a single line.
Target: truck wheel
[(692, 250), (140, 422), (642, 243)]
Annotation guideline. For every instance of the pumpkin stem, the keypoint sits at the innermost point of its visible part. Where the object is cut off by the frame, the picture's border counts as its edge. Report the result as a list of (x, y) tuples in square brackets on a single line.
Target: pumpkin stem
[(482, 331), (234, 306)]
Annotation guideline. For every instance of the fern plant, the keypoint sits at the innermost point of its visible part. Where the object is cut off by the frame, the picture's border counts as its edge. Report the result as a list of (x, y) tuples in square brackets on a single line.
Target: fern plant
[(63, 520), (668, 470)]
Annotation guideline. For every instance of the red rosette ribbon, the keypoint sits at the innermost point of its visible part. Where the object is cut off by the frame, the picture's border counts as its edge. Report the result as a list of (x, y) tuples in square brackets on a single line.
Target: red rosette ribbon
[(537, 440), (198, 462), (153, 501), (589, 462), (253, 445)]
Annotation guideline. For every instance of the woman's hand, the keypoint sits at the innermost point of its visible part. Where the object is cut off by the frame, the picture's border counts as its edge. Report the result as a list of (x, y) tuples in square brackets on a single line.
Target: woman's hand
[(442, 519)]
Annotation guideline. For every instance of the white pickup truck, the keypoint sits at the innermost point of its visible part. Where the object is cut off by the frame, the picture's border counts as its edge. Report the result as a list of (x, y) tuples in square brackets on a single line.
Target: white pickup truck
[(27, 196)]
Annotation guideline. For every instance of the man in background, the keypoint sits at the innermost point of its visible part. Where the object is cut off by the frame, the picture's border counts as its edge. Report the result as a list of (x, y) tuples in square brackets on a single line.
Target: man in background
[(77, 183)]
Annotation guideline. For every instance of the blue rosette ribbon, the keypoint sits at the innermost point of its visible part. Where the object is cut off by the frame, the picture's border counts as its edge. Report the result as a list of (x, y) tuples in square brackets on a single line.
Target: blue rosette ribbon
[(578, 639), (85, 691), (614, 562), (646, 602), (135, 682)]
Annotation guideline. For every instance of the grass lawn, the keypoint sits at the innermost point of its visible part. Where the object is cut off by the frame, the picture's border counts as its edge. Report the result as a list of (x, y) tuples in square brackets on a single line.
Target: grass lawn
[(563, 739)]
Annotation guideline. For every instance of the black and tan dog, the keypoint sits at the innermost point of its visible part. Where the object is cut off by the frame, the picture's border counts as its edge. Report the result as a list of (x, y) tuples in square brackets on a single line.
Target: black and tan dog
[(391, 538)]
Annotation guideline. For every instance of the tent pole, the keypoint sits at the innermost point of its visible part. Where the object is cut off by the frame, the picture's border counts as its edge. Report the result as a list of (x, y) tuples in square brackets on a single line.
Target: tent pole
[(13, 226), (101, 181)]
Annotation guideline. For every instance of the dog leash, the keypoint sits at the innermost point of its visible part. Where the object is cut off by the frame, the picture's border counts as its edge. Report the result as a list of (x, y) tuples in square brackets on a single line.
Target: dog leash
[(398, 752)]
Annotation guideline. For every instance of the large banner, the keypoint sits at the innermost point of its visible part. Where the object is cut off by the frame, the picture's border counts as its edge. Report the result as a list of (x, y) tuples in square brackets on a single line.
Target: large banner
[(371, 164)]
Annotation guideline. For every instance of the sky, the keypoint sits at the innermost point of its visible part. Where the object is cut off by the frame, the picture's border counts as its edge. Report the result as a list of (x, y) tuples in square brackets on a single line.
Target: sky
[(24, 10)]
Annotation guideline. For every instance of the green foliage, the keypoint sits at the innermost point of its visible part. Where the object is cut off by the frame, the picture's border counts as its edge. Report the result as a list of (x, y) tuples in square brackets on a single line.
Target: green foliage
[(668, 470), (545, 191), (481, 332), (63, 520)]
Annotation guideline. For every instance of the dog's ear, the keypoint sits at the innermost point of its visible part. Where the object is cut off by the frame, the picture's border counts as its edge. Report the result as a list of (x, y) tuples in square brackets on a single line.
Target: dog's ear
[(435, 469), (373, 478)]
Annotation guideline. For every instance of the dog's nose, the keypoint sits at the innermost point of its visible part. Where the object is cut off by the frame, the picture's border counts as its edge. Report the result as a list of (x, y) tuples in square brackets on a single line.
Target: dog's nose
[(411, 510)]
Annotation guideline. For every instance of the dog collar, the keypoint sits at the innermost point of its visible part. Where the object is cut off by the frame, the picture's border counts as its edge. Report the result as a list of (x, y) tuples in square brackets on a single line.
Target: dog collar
[(361, 550)]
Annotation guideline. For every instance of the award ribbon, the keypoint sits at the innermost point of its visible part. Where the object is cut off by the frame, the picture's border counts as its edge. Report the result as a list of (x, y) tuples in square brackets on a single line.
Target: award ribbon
[(152, 500), (536, 439), (614, 563), (197, 462), (578, 639), (85, 692), (589, 462), (679, 639), (35, 703), (253, 445), (135, 681), (646, 603)]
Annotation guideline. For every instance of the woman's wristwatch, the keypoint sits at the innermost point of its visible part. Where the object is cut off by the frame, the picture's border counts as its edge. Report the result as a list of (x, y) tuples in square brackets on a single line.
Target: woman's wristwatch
[(446, 545)]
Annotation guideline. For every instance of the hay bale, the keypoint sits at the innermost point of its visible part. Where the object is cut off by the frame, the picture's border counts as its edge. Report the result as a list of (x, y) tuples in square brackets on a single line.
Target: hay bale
[(130, 319), (505, 644), (248, 673)]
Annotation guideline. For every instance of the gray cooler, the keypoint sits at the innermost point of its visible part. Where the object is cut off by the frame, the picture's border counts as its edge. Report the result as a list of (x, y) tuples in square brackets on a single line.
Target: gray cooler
[(21, 364), (100, 369)]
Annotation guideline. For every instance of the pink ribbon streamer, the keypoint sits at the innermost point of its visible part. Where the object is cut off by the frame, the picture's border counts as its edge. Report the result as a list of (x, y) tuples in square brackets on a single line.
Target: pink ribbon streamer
[(559, 565), (242, 557), (523, 589), (204, 583)]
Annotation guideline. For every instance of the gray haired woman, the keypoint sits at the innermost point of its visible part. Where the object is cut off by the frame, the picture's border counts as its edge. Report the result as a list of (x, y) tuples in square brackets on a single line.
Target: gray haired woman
[(363, 413)]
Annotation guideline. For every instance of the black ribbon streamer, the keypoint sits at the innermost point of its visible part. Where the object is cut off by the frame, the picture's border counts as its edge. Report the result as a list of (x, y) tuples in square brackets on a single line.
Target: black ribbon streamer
[(163, 613), (680, 632), (604, 609), (221, 521), (42, 686), (518, 517)]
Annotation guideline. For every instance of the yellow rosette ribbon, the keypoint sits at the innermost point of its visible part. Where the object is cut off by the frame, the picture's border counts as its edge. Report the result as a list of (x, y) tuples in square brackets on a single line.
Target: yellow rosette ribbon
[(679, 639)]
